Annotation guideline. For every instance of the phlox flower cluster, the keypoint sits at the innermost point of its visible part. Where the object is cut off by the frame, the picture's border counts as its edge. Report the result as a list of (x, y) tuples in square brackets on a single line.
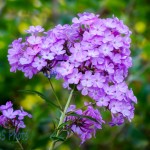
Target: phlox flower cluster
[(12, 119), (82, 126), (92, 53)]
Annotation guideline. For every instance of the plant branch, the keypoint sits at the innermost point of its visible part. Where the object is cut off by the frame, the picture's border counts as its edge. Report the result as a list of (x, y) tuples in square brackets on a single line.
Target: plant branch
[(19, 144), (54, 93), (62, 117)]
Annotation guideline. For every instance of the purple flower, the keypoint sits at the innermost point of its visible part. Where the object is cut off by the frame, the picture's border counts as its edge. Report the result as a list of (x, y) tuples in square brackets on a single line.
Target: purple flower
[(26, 59), (98, 80), (87, 79), (22, 114), (92, 53), (85, 127), (98, 61), (109, 67), (117, 42), (18, 124), (39, 63), (76, 49), (98, 29), (35, 29), (96, 93), (86, 45), (131, 96), (109, 90), (106, 49), (10, 113), (108, 37), (57, 49), (84, 89), (48, 55), (74, 77), (115, 106), (32, 51), (110, 23), (6, 106), (85, 18), (122, 87), (103, 101), (33, 40), (65, 69), (126, 107), (11, 118), (116, 58), (94, 113), (117, 119), (29, 71), (3, 120), (118, 76)]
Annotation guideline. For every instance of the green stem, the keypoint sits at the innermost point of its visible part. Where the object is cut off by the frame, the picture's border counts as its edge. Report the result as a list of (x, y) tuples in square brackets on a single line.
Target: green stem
[(19, 144), (52, 145), (62, 117), (65, 109), (55, 93)]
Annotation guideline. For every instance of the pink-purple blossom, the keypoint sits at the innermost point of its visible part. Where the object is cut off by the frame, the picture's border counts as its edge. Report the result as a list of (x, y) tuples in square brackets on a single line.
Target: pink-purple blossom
[(84, 127), (92, 53), (10, 118), (35, 29)]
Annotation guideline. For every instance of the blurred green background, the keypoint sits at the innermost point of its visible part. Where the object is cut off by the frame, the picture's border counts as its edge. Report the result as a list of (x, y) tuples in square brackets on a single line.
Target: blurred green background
[(17, 15)]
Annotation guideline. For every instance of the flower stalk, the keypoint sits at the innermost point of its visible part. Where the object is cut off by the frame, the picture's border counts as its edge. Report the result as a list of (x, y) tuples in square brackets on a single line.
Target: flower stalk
[(62, 117), (55, 94), (20, 145)]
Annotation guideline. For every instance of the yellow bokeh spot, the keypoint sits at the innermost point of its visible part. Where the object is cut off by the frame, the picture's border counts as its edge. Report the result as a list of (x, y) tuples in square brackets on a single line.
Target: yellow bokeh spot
[(38, 88), (49, 144), (37, 3), (30, 101), (36, 20), (64, 147), (62, 2), (140, 27), (2, 44), (144, 56), (144, 42), (22, 27)]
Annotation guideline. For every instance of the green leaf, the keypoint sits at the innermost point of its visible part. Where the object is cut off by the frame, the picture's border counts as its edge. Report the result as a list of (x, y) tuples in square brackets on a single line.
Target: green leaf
[(64, 124), (42, 96), (90, 118), (53, 134), (58, 138), (81, 116), (63, 135)]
